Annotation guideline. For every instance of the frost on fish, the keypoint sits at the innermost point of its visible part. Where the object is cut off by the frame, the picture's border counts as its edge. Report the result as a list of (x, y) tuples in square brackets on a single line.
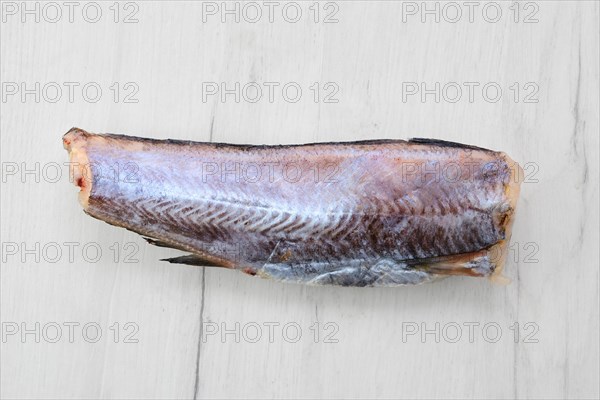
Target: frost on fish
[(371, 213)]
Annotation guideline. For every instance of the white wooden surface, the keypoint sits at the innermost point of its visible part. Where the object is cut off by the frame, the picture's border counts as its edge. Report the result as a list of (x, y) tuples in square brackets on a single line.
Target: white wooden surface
[(368, 54)]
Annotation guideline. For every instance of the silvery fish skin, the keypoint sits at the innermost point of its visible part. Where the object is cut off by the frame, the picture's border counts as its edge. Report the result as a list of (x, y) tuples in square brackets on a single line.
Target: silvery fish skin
[(371, 213)]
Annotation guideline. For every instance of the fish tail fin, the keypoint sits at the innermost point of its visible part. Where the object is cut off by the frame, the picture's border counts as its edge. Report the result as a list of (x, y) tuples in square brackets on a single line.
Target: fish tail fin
[(484, 263)]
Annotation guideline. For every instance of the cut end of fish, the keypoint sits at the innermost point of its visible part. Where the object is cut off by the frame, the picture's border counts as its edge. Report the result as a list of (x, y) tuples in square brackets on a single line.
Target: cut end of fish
[(505, 216), (75, 142)]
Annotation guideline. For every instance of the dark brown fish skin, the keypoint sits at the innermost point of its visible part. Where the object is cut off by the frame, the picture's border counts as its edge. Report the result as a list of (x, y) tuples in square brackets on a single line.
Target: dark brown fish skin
[(373, 213)]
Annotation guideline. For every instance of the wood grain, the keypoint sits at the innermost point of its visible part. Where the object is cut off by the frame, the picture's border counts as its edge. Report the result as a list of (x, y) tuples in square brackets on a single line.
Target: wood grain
[(364, 348)]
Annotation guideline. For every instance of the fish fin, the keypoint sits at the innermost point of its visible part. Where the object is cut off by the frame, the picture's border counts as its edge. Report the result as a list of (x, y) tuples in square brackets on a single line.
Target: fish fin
[(160, 243), (191, 259), (203, 259), (445, 143), (209, 260), (479, 263)]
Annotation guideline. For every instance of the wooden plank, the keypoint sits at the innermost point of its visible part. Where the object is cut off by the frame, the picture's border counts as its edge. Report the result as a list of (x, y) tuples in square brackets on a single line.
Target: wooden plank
[(186, 332)]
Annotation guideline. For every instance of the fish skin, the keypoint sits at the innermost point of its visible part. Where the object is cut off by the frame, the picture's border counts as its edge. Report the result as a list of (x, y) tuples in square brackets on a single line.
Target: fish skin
[(371, 213)]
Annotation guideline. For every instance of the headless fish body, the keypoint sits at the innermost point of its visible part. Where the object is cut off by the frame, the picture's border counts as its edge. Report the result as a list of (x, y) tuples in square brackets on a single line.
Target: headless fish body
[(372, 213)]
